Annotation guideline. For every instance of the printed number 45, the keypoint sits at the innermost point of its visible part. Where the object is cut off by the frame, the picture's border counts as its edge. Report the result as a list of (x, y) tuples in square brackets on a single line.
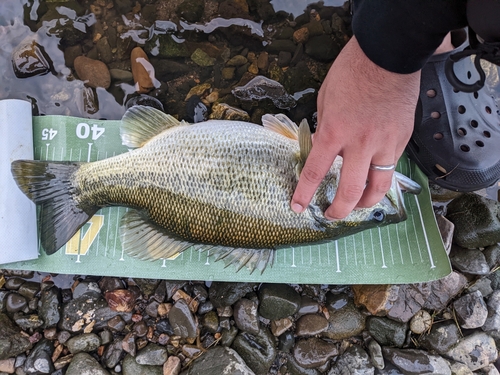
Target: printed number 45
[(48, 134)]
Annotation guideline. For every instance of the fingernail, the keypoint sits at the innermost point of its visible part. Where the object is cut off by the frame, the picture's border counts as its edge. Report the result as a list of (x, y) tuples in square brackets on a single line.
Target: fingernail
[(297, 208), (330, 218)]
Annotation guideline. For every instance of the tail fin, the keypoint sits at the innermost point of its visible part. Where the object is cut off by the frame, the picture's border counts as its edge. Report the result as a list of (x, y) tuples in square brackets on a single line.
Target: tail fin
[(49, 185)]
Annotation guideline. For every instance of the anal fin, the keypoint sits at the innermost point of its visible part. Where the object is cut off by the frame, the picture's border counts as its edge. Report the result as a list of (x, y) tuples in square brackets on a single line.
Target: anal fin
[(143, 239), (252, 259)]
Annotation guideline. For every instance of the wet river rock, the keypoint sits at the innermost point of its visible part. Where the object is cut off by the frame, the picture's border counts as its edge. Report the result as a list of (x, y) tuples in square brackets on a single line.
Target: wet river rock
[(476, 219), (313, 352), (225, 294), (414, 362), (182, 320), (278, 301), (258, 351), (345, 320), (354, 361), (85, 361), (476, 351), (11, 342)]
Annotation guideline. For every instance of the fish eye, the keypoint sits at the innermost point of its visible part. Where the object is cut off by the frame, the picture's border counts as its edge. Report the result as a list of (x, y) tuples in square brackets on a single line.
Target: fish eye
[(378, 215)]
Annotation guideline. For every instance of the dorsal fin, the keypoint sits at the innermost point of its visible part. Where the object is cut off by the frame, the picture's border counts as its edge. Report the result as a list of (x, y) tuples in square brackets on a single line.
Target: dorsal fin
[(281, 124), (305, 141), (141, 123)]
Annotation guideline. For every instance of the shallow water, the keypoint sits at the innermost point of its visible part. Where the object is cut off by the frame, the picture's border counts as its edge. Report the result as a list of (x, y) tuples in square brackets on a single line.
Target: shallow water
[(238, 30)]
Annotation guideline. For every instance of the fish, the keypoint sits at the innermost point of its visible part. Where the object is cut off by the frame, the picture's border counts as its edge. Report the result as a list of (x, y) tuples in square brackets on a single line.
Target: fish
[(219, 185)]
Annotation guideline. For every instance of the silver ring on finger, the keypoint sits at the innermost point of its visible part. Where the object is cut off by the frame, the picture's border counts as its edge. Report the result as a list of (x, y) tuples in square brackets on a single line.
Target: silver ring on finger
[(376, 167)]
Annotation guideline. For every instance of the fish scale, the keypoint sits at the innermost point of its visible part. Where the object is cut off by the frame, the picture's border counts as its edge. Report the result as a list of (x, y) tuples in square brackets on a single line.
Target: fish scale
[(224, 186)]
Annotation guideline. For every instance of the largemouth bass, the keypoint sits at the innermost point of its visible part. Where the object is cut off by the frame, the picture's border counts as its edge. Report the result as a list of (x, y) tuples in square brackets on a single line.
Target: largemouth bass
[(219, 185)]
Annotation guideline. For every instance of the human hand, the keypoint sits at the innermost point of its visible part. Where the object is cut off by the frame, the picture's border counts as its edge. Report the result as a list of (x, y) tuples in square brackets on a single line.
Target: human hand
[(366, 115)]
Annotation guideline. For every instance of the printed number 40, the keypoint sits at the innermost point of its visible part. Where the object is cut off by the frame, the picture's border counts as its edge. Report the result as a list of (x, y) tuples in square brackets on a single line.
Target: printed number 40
[(83, 131)]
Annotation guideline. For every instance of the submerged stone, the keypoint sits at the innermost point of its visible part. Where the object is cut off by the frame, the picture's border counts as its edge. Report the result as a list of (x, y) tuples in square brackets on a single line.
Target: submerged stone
[(260, 88), (30, 59), (191, 10), (223, 111), (93, 73), (164, 46), (201, 58)]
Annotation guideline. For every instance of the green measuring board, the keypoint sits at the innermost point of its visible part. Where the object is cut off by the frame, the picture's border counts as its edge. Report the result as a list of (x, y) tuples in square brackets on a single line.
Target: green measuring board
[(408, 252)]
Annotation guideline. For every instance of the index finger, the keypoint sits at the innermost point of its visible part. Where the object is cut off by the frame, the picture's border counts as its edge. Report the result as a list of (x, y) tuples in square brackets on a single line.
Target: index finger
[(317, 165)]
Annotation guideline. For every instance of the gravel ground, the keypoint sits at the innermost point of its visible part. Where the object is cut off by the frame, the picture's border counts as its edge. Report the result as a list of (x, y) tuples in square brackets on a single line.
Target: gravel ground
[(56, 324)]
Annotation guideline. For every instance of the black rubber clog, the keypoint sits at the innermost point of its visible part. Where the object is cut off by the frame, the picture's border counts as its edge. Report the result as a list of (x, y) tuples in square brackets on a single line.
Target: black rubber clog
[(456, 138)]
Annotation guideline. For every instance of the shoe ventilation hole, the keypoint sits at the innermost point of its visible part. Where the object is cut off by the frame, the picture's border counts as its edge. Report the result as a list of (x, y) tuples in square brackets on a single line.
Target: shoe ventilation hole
[(431, 93), (438, 136), (439, 171), (469, 74), (435, 115), (476, 95), (461, 109), (465, 148), (474, 123), (488, 110), (480, 143), (487, 134), (462, 132)]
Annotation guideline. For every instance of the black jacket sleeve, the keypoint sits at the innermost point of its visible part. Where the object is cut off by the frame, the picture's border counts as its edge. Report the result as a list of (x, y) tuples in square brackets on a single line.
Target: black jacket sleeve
[(484, 18), (400, 35)]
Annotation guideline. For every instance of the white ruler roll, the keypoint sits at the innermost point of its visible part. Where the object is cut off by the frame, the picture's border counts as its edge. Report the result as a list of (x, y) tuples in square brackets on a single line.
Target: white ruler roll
[(18, 229)]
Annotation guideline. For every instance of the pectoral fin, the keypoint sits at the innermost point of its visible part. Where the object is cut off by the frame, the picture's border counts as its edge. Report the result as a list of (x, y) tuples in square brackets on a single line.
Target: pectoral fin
[(305, 145), (281, 124), (305, 140)]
